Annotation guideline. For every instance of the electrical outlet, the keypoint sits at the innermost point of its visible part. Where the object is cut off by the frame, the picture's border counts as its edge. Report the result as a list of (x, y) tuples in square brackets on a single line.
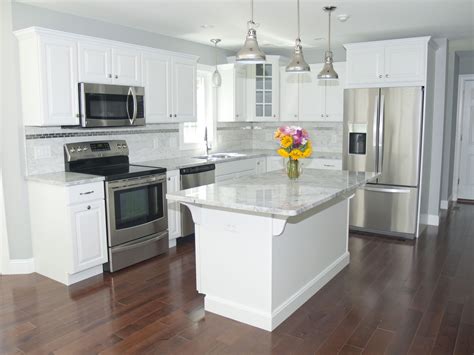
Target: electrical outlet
[(42, 152)]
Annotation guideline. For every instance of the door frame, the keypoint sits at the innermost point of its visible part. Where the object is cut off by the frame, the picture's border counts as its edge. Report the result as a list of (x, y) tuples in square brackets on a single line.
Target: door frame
[(463, 79)]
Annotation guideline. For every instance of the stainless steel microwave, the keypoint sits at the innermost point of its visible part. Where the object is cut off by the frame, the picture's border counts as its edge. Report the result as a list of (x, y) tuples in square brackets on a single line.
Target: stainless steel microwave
[(102, 105)]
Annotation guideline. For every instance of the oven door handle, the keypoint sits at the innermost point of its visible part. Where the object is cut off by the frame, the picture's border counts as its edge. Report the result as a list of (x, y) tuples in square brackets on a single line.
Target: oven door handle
[(124, 185)]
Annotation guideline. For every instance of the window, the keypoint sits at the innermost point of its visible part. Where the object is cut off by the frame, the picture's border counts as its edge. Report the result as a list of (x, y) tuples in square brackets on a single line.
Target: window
[(192, 133)]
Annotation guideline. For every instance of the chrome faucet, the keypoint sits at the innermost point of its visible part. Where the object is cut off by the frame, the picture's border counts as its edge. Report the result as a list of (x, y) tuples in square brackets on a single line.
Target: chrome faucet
[(208, 144)]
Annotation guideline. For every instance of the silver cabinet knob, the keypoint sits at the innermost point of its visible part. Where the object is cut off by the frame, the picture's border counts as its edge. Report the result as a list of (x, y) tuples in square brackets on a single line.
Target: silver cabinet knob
[(110, 76), (78, 115), (380, 75), (171, 115), (175, 115), (386, 75), (327, 115), (116, 76), (296, 115), (89, 207), (322, 115)]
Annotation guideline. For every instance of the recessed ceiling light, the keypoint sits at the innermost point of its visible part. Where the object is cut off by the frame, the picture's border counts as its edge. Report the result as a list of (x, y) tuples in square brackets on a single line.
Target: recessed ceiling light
[(318, 39), (343, 17), (207, 26)]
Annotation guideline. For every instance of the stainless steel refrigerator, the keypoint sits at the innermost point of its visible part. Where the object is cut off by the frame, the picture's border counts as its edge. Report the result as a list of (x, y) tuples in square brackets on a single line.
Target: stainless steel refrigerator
[(382, 133)]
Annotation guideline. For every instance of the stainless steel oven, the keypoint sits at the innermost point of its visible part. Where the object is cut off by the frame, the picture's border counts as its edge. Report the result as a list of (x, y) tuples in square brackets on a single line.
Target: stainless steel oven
[(102, 105)]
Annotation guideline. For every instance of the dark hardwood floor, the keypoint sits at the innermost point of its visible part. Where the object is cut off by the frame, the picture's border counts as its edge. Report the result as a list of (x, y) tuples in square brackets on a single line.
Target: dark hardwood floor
[(395, 297)]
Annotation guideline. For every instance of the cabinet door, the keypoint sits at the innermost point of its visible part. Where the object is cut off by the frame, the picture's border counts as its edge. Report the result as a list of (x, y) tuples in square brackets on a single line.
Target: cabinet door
[(405, 62), (240, 95), (184, 90), (334, 95), (95, 63), (289, 89), (126, 66), (59, 81), (276, 163), (261, 166), (156, 79), (311, 96), (89, 241), (174, 213), (266, 91), (365, 66)]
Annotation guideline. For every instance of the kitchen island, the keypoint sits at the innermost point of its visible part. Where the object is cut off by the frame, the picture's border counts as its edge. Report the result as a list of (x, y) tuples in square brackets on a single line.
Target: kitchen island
[(265, 244)]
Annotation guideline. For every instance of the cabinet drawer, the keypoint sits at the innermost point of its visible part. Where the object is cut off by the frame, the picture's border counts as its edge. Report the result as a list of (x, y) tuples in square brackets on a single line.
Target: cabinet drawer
[(333, 164), (235, 166), (85, 192)]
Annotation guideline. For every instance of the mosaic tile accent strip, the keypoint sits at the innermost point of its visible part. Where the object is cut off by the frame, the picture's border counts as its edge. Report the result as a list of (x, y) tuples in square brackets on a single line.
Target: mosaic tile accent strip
[(86, 133)]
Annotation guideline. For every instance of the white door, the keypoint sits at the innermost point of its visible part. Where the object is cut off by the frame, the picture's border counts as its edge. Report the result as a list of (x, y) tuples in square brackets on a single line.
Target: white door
[(404, 62), (126, 66), (184, 90), (59, 81), (334, 95), (89, 241), (95, 63), (365, 66), (289, 91), (174, 212), (156, 79), (240, 95), (466, 166), (311, 96)]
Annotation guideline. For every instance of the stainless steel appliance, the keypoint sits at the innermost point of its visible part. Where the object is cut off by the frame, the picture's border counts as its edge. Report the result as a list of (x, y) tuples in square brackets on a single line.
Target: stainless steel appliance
[(193, 177), (382, 133), (137, 221), (103, 105)]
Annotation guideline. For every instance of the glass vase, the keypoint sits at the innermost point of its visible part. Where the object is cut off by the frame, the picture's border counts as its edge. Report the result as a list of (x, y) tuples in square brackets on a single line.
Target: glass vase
[(293, 169)]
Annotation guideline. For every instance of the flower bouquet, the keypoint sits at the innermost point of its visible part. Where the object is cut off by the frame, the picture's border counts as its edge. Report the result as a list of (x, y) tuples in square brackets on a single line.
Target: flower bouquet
[(294, 145)]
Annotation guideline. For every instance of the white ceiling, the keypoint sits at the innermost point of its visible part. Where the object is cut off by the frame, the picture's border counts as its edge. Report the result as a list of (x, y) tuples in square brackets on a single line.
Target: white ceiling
[(369, 19)]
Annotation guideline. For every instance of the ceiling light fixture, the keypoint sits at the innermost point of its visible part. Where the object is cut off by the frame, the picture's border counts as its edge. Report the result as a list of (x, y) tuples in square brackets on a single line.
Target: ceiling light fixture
[(297, 63), (343, 17), (216, 76), (328, 72), (250, 53)]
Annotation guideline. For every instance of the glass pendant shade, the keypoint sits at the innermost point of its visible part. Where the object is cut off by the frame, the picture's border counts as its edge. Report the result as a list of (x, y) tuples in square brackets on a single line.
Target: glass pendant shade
[(328, 72), (250, 53), (216, 78), (297, 63)]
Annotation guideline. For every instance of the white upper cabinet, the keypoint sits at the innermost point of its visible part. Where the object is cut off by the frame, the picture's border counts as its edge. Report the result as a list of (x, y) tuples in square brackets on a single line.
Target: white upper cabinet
[(306, 98), (232, 94), (156, 79), (400, 62), (95, 63), (104, 64), (184, 89), (48, 71)]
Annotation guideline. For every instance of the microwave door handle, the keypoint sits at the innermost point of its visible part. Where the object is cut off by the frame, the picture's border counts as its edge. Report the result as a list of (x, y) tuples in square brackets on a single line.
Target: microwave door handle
[(126, 105), (135, 104)]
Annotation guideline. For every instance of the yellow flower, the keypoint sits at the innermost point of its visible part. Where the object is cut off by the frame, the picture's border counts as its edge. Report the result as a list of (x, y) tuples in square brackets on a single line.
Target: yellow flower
[(277, 134), (309, 149), (283, 153), (286, 141), (296, 154)]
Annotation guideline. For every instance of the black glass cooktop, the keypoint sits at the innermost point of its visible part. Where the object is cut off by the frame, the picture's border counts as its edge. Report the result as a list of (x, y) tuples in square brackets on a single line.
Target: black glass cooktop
[(124, 171)]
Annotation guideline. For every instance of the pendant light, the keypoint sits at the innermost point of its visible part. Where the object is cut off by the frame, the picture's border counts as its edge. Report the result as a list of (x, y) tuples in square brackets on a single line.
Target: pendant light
[(250, 53), (216, 76), (328, 72), (297, 63)]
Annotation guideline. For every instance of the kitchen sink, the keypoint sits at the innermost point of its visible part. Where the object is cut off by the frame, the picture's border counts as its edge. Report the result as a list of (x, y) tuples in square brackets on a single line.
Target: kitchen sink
[(218, 156)]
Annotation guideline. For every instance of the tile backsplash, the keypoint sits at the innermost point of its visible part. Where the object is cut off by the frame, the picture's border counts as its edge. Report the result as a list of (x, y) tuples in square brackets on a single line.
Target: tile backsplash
[(44, 145)]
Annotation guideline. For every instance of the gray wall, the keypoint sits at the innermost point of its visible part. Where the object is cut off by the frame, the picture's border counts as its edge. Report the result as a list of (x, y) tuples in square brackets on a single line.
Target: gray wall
[(27, 16)]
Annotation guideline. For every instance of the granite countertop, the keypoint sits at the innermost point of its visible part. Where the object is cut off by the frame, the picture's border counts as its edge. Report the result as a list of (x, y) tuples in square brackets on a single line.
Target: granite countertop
[(273, 193), (177, 163), (65, 178)]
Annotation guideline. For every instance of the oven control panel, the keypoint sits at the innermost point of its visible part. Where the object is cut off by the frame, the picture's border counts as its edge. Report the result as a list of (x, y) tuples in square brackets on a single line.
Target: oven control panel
[(95, 149)]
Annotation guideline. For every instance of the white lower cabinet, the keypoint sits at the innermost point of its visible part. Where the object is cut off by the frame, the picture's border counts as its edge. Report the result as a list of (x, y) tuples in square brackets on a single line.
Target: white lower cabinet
[(275, 163), (174, 213), (68, 227), (238, 168)]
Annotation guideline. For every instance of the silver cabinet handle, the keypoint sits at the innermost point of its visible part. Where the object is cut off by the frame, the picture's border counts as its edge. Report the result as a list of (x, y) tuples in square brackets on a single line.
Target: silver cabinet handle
[(328, 165), (110, 76), (171, 115), (87, 192), (116, 76), (89, 207), (175, 115), (77, 115), (322, 115), (380, 76), (395, 191), (386, 75), (327, 115)]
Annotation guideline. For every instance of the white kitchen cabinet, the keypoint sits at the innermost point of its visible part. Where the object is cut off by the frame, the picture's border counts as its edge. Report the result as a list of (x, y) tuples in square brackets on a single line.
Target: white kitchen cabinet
[(232, 94), (68, 226), (184, 89), (173, 184), (101, 63), (326, 164), (400, 62), (48, 73), (156, 79), (306, 98), (238, 168), (275, 163), (261, 165)]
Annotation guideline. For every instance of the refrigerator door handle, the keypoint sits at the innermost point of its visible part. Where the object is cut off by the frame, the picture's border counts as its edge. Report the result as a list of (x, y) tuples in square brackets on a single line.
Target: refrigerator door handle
[(396, 191), (375, 134), (381, 133)]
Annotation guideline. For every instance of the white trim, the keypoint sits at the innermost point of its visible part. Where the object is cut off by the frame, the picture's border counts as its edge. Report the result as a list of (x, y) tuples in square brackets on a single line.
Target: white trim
[(270, 320), (459, 121), (429, 219), (20, 266), (444, 204)]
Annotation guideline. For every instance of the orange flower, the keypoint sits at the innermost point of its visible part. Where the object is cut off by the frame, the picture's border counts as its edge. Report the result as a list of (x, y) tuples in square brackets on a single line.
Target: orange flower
[(296, 154)]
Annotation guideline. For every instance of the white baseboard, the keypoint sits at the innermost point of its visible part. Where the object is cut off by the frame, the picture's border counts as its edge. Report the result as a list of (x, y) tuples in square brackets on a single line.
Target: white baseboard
[(444, 204), (172, 243), (429, 219), (269, 321), (19, 266)]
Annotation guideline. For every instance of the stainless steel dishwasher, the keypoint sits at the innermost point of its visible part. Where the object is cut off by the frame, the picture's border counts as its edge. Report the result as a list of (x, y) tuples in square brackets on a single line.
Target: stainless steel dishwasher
[(193, 177)]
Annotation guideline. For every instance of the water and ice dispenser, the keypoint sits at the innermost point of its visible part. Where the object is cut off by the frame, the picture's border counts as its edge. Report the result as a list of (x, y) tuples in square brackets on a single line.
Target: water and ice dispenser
[(357, 139)]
